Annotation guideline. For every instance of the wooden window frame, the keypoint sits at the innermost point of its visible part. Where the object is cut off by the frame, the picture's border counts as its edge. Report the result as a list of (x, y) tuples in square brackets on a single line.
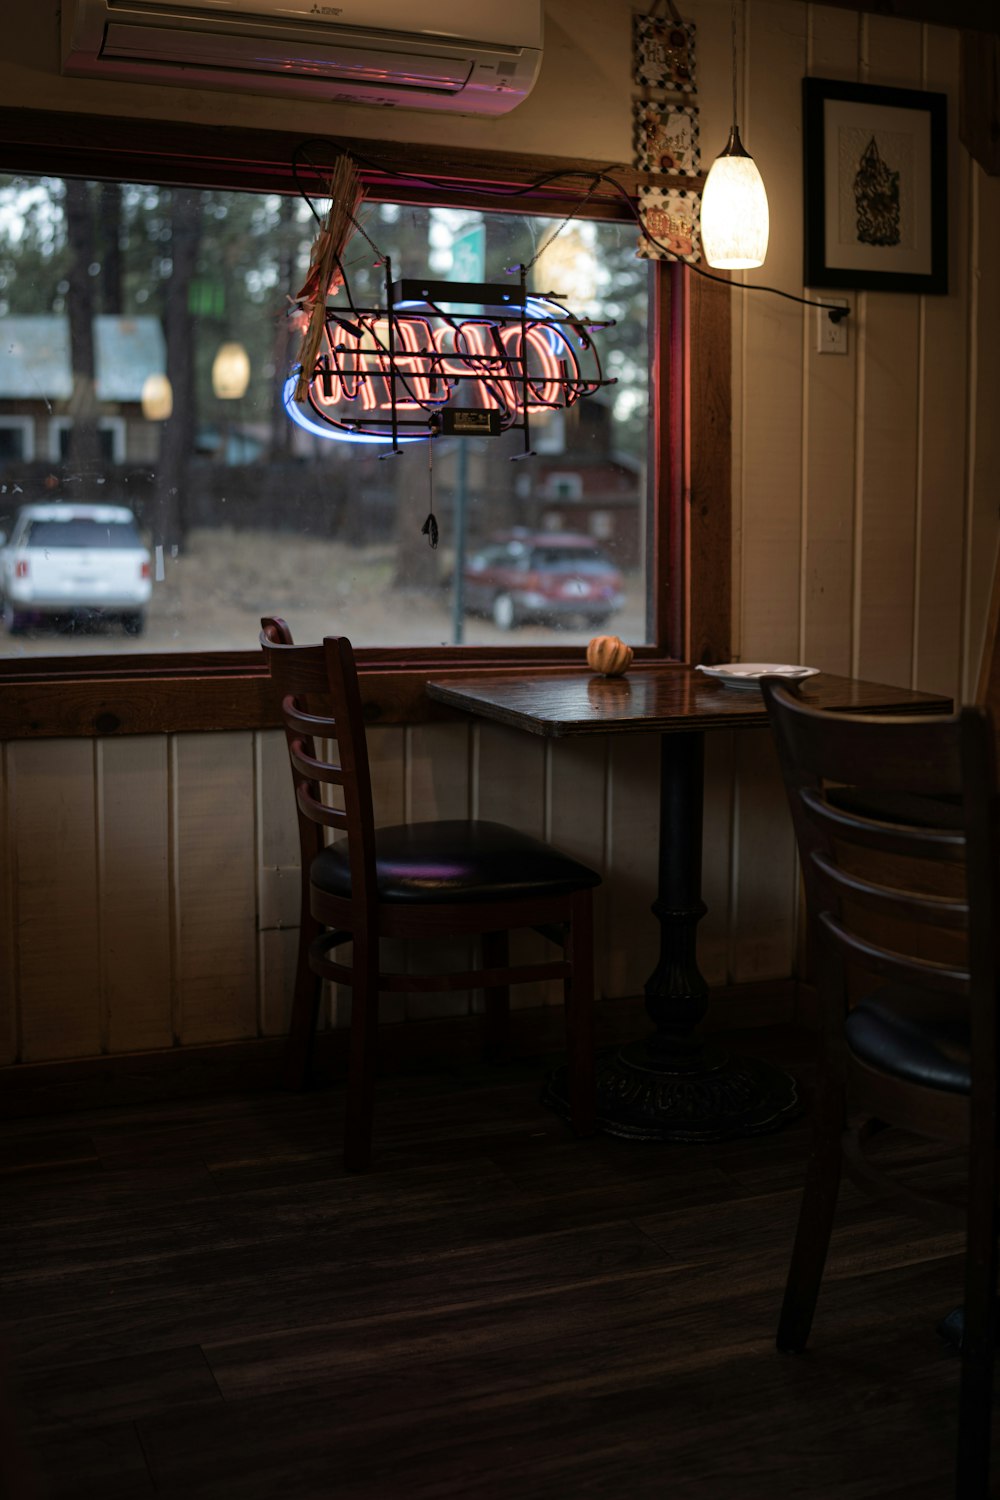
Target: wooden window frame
[(690, 417)]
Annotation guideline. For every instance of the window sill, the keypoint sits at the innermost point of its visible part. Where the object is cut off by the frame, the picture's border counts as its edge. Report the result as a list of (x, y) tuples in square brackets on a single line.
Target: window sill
[(94, 696)]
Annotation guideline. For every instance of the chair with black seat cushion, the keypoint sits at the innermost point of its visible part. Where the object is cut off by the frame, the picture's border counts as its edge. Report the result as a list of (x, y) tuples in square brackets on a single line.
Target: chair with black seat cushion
[(441, 879), (918, 1049)]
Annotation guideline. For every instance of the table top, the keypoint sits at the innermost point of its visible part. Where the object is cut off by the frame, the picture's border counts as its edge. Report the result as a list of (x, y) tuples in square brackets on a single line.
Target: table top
[(664, 697)]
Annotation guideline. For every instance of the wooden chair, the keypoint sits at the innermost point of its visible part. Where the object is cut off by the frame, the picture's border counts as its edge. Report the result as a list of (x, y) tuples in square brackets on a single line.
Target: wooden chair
[(438, 879), (919, 1049)]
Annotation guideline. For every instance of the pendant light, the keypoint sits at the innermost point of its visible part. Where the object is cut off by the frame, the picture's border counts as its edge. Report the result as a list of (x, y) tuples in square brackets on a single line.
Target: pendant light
[(157, 398), (230, 372), (734, 219)]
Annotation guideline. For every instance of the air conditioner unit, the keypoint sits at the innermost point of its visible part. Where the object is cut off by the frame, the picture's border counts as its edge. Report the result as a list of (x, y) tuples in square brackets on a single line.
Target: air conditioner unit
[(462, 55)]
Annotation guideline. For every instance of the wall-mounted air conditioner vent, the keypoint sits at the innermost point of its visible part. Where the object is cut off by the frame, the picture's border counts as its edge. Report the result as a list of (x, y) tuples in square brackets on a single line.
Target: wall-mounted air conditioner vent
[(471, 58)]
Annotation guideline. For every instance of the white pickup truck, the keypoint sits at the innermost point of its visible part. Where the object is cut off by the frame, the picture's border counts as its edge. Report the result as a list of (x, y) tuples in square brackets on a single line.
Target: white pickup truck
[(70, 561)]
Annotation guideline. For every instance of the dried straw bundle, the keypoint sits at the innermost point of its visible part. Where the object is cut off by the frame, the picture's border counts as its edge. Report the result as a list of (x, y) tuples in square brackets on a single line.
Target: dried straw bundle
[(345, 193)]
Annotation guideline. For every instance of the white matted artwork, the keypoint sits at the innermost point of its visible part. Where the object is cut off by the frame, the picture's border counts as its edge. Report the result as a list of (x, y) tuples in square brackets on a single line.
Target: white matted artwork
[(876, 195)]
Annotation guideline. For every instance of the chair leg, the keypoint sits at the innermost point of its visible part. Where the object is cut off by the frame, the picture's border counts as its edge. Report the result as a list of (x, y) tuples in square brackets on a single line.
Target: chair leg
[(815, 1226), (361, 1067), (979, 1322), (578, 996), (496, 946), (305, 1013)]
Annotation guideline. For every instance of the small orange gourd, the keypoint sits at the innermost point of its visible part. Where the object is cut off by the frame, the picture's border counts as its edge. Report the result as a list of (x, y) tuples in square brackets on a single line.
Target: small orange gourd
[(610, 655)]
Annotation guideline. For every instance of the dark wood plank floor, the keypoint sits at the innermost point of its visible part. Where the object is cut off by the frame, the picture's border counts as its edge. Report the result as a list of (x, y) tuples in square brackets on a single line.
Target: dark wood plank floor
[(197, 1302)]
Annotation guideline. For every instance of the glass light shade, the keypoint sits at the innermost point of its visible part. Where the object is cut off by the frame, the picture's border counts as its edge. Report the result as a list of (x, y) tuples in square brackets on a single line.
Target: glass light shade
[(157, 398), (734, 218), (230, 372)]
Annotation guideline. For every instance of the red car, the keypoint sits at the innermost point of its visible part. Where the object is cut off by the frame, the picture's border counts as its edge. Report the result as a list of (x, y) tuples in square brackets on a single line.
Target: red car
[(554, 578)]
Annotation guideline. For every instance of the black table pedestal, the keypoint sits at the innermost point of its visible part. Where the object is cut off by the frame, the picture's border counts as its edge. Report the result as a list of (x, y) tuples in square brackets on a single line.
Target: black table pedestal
[(674, 1086), (642, 1097)]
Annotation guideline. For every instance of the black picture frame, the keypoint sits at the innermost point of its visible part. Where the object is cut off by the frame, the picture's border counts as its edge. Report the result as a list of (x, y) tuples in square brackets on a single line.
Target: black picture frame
[(876, 210)]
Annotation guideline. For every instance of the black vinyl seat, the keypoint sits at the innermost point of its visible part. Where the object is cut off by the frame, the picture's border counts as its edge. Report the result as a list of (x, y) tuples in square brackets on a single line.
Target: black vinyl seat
[(437, 879), (912, 1036), (897, 821), (455, 860)]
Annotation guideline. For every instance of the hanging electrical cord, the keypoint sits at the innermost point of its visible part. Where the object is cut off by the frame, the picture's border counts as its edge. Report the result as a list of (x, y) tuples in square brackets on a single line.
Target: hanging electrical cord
[(836, 313), (574, 213), (430, 527)]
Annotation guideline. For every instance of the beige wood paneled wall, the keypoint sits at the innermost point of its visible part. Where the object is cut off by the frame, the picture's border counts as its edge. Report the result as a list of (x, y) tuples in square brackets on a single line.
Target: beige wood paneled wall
[(148, 889), (150, 885)]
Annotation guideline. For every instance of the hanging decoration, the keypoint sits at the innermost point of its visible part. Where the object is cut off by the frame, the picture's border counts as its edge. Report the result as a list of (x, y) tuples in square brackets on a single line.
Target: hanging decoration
[(667, 134), (671, 216), (326, 274), (424, 365), (440, 358), (663, 52), (667, 138)]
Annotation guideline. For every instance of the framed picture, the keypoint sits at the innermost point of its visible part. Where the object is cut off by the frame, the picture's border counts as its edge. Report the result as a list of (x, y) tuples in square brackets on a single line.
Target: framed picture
[(875, 187)]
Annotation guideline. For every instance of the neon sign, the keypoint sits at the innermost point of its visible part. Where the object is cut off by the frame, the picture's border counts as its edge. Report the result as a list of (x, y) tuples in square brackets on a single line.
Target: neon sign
[(416, 370)]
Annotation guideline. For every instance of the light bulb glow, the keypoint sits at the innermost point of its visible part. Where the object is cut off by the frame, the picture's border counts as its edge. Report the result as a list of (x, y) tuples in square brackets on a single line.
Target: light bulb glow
[(734, 217), (157, 398), (230, 372)]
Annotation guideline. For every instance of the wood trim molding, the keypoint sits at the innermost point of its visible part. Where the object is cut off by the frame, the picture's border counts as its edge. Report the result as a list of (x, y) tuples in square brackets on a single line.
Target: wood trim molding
[(174, 1072), (238, 157)]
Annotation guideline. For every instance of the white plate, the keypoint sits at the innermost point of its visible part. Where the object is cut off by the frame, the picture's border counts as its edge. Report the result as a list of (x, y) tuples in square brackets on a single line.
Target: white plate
[(744, 674)]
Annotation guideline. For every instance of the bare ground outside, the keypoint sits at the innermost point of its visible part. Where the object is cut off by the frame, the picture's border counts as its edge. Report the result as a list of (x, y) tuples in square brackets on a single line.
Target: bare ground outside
[(212, 596)]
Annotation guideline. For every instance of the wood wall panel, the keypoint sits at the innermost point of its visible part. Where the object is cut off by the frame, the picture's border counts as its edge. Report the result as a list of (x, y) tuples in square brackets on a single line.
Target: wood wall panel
[(717, 861), (764, 905), (437, 785), (888, 510), (889, 413), (8, 909), (829, 408), (215, 890), (944, 416), (386, 754), (279, 881), (509, 779), (53, 798), (770, 345), (437, 771), (133, 824), (984, 400), (631, 931), (576, 822)]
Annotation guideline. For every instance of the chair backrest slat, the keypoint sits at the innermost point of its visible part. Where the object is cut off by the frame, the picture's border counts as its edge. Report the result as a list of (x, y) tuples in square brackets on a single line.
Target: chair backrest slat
[(891, 838), (901, 921), (317, 689), (320, 812), (891, 901), (314, 766), (888, 964)]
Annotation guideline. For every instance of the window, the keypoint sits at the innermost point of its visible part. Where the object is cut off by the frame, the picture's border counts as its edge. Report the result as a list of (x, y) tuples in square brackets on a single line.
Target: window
[(121, 305), (17, 439), (110, 439)]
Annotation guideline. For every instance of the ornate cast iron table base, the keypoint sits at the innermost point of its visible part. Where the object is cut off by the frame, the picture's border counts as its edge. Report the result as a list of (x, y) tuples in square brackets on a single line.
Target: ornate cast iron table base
[(713, 1096)]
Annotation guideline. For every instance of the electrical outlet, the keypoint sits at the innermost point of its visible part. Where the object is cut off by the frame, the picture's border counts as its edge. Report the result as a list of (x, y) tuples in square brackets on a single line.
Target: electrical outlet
[(831, 337)]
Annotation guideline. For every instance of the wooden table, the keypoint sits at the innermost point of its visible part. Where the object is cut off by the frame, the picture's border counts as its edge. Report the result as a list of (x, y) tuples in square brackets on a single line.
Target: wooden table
[(670, 1086)]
